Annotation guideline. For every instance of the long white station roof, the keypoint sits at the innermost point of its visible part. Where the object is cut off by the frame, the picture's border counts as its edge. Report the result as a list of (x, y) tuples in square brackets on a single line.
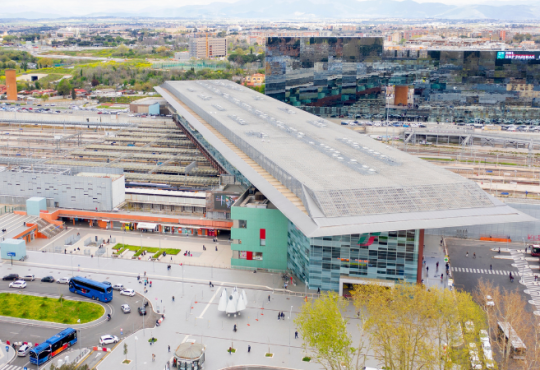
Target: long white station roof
[(347, 182)]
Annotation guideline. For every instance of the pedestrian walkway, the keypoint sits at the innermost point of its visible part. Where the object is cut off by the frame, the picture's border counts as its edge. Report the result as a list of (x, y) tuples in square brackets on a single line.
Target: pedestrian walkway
[(533, 287), (11, 367), (484, 271)]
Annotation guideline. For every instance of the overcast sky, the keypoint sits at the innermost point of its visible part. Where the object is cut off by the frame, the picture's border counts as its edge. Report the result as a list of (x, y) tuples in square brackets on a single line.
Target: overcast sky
[(85, 7)]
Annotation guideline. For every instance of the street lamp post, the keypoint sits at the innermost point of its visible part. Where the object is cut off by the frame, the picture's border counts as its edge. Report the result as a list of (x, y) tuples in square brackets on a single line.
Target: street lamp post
[(290, 315), (136, 362)]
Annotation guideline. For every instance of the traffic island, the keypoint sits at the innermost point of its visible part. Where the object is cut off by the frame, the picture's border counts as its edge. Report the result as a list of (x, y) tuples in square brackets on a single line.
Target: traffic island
[(155, 252), (58, 310)]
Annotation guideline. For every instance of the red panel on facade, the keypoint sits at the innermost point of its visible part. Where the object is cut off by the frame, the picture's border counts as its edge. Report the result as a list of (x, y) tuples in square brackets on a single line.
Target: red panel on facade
[(263, 233), (249, 255)]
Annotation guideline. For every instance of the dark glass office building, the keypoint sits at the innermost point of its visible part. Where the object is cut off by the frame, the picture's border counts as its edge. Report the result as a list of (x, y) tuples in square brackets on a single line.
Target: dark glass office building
[(355, 76)]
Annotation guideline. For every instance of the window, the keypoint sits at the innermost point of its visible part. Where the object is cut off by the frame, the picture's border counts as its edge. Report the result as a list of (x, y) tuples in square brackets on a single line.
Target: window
[(242, 224), (262, 235)]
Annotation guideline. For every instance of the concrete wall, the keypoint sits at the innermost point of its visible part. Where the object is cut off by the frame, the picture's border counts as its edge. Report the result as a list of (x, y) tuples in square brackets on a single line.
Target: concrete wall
[(275, 225), (87, 193), (118, 189)]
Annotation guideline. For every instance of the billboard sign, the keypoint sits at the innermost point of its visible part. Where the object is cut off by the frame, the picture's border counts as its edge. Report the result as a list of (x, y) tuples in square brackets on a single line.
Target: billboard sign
[(224, 201)]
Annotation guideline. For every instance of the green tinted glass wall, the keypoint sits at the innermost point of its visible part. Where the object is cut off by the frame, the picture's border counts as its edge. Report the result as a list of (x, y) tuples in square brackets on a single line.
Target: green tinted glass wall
[(321, 261)]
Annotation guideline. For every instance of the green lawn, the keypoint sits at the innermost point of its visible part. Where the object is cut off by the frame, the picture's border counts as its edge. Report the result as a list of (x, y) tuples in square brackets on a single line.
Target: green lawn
[(120, 248), (49, 309)]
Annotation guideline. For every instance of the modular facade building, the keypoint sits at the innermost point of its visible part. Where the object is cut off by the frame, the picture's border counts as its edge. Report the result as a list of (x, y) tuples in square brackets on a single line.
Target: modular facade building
[(86, 188), (332, 76), (355, 209)]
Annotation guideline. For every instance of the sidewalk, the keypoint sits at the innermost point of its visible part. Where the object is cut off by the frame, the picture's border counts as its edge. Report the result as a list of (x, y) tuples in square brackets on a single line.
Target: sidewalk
[(5, 357), (433, 253)]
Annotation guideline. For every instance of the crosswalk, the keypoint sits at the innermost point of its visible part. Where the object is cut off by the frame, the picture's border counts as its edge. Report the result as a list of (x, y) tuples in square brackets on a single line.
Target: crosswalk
[(485, 271), (533, 289), (10, 367)]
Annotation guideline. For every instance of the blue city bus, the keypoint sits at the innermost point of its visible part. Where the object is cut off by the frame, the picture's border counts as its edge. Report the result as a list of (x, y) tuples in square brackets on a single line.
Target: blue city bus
[(53, 346), (91, 289)]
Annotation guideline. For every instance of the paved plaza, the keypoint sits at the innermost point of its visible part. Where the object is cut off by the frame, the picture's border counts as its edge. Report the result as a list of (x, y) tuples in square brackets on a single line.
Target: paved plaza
[(193, 315)]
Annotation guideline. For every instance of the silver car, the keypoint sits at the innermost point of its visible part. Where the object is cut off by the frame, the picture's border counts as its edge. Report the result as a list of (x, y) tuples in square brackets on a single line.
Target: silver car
[(125, 308)]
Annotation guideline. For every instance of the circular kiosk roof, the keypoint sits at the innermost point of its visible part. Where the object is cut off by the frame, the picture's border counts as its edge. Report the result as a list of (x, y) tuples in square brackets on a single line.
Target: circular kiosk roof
[(189, 351)]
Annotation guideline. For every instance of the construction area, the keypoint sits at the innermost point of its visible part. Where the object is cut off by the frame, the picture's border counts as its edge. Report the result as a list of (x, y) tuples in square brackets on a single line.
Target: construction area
[(154, 155)]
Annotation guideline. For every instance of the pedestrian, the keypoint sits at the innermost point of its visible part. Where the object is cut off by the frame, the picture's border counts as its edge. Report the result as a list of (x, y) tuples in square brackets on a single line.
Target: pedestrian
[(249, 348), (153, 357), (268, 297), (491, 267), (210, 284), (296, 334), (171, 258), (474, 255), (437, 265), (499, 250), (441, 277), (427, 270), (169, 347), (319, 290), (145, 273), (535, 277), (65, 251), (216, 248), (230, 350), (203, 247), (234, 329), (467, 254), (279, 316)]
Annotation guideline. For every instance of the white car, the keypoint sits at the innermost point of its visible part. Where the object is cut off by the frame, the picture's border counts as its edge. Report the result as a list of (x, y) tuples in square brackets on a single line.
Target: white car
[(24, 349), (129, 292), (64, 280), (108, 339), (118, 286), (125, 308), (28, 277), (473, 355), (19, 284)]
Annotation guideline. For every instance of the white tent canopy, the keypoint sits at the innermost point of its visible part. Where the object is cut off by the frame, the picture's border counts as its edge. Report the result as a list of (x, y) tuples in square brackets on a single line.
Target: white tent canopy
[(146, 226)]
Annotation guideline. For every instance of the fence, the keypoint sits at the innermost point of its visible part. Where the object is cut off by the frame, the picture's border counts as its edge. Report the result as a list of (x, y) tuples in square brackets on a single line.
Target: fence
[(87, 242), (72, 239)]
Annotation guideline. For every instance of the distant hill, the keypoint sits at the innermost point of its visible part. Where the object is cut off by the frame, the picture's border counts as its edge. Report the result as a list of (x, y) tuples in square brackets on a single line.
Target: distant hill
[(319, 9)]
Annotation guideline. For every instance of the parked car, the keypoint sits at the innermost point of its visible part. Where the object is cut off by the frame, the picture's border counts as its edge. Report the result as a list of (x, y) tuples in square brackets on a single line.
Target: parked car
[(64, 280), (29, 277), (125, 308), (128, 292), (106, 283), (11, 277), (24, 350), (19, 284), (118, 286), (108, 339), (142, 311), (48, 279)]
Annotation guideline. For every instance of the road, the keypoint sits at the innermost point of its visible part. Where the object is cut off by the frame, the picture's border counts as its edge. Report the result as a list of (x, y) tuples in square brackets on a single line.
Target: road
[(463, 267), (89, 335)]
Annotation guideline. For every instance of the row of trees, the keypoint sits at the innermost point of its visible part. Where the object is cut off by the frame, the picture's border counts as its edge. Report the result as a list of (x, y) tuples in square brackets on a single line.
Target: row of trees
[(410, 328)]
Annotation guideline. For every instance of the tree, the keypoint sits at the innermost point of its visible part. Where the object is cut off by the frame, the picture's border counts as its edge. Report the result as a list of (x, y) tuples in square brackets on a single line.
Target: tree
[(45, 62), (73, 94), (412, 328), (324, 333), (64, 87), (45, 97), (510, 307)]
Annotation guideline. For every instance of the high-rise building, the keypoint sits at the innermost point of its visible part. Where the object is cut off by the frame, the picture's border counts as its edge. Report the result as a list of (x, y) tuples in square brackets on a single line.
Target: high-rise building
[(333, 76), (205, 48), (11, 84)]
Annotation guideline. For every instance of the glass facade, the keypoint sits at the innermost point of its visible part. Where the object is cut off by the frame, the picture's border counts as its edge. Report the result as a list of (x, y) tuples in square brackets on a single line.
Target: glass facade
[(332, 76), (320, 261)]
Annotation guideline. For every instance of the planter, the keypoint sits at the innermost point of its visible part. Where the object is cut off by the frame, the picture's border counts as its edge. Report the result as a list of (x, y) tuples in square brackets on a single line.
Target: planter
[(269, 355)]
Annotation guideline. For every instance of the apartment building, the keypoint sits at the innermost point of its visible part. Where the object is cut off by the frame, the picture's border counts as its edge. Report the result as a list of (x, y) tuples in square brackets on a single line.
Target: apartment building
[(204, 48)]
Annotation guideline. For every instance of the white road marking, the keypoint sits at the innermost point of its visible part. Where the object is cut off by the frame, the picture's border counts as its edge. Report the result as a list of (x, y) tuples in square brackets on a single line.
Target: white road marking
[(208, 304)]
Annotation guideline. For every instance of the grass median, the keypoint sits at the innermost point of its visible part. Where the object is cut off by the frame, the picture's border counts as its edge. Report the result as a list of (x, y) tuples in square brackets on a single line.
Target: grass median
[(120, 248), (57, 310)]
